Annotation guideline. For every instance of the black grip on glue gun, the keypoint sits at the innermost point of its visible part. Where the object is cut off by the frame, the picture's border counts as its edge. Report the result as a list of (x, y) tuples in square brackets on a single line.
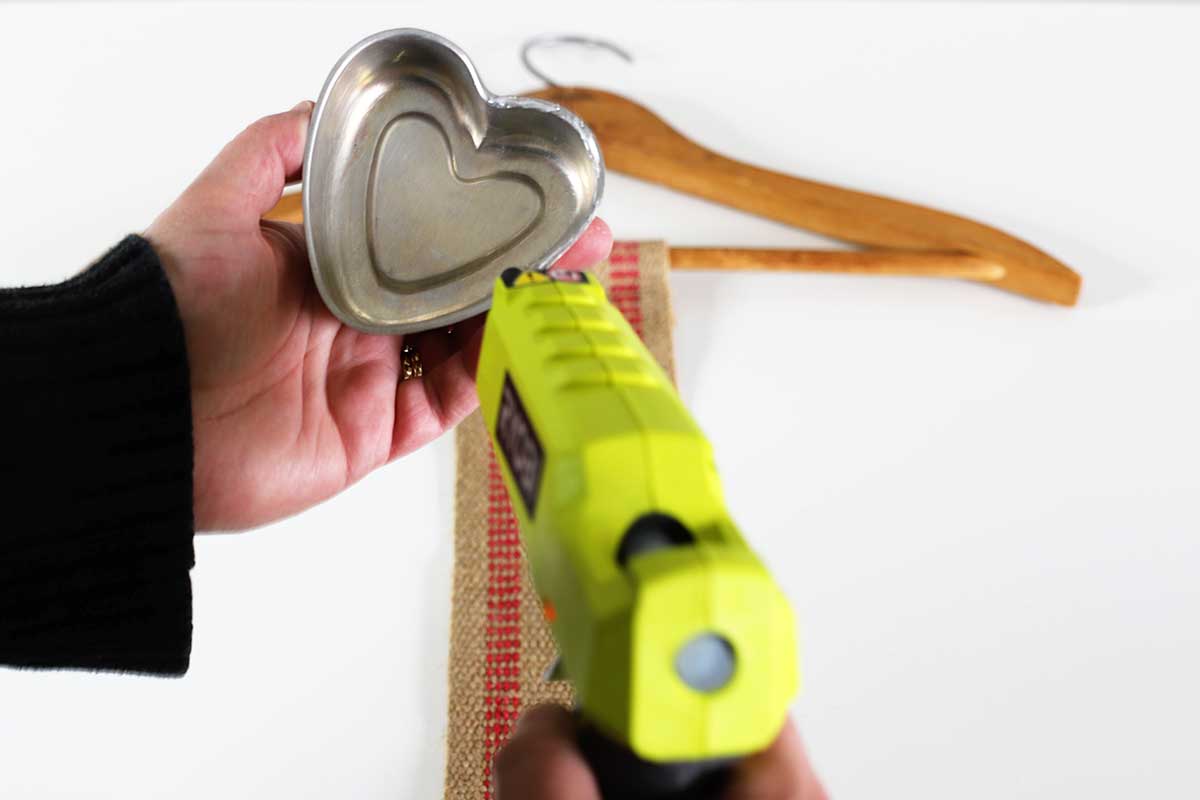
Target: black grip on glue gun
[(623, 775)]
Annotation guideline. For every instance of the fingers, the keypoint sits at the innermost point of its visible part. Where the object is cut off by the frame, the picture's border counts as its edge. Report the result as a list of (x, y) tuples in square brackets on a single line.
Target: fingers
[(467, 337), (541, 761), (590, 249), (250, 172), (781, 772), (428, 406)]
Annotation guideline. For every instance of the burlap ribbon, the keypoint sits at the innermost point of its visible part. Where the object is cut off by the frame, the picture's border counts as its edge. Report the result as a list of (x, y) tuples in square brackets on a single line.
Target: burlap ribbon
[(500, 646)]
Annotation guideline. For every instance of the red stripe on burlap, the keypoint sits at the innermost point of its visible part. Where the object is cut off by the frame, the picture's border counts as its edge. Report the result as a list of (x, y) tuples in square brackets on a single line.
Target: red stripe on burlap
[(502, 636), (624, 289)]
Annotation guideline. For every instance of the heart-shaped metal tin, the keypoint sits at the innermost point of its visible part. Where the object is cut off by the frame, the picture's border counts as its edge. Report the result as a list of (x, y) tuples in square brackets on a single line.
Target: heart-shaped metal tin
[(420, 186)]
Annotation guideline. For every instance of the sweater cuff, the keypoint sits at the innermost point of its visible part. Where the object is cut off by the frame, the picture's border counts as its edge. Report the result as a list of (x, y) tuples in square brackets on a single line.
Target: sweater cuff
[(96, 468)]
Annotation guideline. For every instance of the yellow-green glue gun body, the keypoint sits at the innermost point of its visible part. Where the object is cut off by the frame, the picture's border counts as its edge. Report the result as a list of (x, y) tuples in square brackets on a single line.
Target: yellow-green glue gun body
[(679, 644)]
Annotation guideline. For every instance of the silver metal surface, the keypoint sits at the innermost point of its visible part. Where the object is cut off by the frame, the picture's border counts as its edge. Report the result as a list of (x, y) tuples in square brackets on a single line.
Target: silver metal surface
[(420, 186)]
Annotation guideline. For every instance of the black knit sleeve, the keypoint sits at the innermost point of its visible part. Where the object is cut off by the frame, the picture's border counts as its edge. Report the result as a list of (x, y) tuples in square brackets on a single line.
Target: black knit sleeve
[(96, 471)]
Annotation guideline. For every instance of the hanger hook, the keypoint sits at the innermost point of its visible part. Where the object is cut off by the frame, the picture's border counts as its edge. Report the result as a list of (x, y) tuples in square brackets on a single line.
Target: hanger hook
[(586, 41)]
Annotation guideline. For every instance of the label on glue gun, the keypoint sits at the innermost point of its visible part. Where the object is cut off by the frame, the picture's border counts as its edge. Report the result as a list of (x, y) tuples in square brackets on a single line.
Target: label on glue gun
[(520, 445)]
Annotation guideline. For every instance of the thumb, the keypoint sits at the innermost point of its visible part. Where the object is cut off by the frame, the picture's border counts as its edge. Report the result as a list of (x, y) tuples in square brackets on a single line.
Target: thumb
[(781, 771), (541, 761), (249, 173)]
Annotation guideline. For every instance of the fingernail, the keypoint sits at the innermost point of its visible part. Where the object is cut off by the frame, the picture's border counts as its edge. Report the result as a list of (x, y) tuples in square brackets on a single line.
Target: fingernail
[(303, 105)]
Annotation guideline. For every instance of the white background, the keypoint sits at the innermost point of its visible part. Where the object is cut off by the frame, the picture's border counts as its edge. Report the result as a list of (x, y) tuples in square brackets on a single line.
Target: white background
[(984, 509)]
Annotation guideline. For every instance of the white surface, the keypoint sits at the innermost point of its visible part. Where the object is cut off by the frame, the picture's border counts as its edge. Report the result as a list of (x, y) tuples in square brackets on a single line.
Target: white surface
[(984, 509)]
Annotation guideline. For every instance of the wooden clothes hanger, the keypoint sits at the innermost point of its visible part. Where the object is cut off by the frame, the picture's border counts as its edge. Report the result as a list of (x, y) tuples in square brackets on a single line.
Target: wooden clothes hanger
[(900, 238)]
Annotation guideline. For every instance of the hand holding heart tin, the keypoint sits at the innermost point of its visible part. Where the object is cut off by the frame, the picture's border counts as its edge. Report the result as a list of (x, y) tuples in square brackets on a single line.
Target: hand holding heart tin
[(421, 186)]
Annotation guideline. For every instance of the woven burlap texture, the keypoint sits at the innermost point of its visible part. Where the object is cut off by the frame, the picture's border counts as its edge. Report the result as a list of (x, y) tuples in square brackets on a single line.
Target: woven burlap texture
[(500, 648)]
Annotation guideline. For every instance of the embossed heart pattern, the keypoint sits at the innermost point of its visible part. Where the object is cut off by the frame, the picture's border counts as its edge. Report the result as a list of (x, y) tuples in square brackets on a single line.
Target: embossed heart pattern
[(421, 186)]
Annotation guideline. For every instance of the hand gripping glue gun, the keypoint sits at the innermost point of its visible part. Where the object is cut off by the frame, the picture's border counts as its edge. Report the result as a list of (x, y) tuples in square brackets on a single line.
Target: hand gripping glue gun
[(680, 646)]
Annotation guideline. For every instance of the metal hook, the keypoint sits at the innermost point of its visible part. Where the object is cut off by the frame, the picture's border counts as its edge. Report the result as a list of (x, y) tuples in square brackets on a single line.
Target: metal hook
[(565, 39)]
